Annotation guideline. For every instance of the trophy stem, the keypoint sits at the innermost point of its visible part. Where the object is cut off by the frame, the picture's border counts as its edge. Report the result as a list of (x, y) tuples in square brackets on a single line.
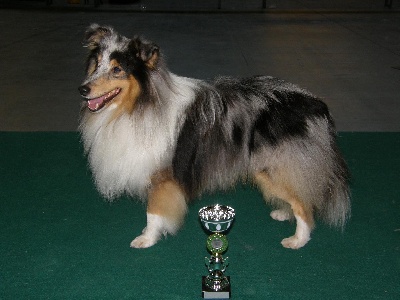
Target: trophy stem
[(216, 285)]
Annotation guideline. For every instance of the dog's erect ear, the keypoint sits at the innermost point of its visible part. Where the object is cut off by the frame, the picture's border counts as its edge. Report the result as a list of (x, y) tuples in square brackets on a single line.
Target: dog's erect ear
[(94, 34), (146, 51), (150, 53)]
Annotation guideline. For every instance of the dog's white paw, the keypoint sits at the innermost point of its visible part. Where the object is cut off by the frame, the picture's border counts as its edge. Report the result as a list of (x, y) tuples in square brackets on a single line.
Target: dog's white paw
[(143, 241), (294, 242), (280, 215)]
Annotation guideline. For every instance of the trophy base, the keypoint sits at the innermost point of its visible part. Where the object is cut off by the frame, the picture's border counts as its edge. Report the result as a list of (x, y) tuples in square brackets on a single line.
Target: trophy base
[(222, 294)]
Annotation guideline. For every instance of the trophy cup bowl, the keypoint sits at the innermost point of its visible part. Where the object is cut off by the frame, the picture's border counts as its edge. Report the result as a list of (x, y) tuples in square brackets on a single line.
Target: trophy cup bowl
[(217, 219)]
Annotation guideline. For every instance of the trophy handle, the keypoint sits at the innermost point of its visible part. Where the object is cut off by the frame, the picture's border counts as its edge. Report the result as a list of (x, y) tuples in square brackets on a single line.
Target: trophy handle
[(225, 263), (212, 264), (207, 262)]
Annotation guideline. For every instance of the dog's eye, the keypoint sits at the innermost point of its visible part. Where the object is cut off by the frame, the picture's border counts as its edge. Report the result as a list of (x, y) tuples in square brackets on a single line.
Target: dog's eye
[(117, 70)]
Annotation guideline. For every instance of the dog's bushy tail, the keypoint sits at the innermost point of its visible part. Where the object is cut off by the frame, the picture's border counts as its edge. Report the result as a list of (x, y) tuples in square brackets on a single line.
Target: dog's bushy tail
[(337, 208)]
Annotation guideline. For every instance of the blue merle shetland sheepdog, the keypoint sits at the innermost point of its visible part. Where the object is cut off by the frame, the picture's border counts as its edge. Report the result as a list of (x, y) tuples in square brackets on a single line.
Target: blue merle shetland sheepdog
[(167, 139)]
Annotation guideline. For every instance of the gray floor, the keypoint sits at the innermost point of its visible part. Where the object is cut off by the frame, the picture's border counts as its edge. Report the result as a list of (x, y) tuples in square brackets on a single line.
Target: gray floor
[(350, 59)]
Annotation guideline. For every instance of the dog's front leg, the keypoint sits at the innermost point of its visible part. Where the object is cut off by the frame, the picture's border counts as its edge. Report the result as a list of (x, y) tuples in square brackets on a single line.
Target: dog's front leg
[(166, 211)]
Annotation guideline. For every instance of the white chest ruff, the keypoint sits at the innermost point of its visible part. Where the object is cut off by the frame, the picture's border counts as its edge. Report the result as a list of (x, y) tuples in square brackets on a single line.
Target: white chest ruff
[(123, 160), (125, 153)]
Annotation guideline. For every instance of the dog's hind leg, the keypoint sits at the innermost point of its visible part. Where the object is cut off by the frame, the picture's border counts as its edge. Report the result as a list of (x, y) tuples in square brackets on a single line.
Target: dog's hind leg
[(166, 211), (304, 217)]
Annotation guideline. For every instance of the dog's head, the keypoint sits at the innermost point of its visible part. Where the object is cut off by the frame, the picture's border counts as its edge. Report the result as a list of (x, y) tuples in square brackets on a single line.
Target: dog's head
[(117, 69)]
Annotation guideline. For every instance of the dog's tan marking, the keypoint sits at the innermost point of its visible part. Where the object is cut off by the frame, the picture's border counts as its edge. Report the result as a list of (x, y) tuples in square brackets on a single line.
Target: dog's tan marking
[(152, 62), (278, 188), (92, 66), (126, 100), (167, 198)]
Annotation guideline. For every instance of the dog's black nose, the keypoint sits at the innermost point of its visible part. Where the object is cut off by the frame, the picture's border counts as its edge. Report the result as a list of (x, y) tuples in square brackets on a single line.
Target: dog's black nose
[(84, 90)]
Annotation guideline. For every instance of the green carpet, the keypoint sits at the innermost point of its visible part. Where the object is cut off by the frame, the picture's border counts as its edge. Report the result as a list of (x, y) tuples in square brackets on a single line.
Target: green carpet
[(60, 240)]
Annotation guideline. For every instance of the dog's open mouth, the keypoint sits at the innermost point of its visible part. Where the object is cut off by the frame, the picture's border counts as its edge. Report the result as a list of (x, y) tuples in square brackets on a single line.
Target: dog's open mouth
[(96, 104)]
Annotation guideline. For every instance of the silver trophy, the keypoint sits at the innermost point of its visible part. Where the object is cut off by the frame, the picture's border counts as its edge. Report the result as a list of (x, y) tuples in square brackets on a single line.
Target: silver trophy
[(217, 219)]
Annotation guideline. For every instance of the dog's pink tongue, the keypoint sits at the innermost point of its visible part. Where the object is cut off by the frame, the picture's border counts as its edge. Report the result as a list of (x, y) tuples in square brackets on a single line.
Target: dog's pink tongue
[(95, 104)]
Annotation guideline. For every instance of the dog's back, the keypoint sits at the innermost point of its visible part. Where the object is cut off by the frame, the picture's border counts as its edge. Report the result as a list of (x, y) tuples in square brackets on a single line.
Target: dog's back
[(237, 128)]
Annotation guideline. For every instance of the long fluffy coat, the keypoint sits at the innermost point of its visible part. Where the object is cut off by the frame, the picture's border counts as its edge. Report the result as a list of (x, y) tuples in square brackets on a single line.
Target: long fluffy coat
[(172, 138)]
